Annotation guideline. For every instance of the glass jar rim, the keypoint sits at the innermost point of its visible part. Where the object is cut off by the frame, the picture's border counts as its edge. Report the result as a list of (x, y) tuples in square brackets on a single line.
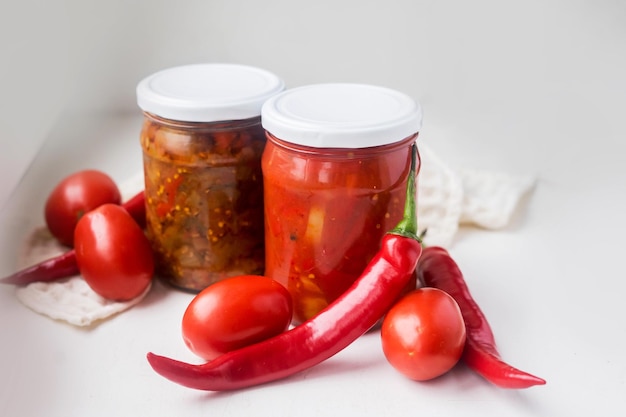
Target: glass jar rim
[(201, 126), (342, 153)]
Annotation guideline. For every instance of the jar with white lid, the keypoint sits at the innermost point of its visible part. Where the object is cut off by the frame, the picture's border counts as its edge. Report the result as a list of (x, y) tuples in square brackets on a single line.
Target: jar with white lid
[(202, 142), (335, 168)]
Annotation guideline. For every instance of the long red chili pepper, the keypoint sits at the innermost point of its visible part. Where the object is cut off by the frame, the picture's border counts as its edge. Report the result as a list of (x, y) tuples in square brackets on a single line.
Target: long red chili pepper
[(65, 265), (436, 268), (322, 336)]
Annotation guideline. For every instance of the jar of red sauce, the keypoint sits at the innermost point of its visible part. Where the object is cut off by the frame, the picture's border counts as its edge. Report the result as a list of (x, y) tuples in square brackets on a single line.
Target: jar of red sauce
[(202, 142), (335, 168)]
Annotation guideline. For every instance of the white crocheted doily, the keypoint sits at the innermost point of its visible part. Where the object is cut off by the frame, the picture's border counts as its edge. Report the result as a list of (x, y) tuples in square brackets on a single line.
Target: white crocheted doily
[(446, 199)]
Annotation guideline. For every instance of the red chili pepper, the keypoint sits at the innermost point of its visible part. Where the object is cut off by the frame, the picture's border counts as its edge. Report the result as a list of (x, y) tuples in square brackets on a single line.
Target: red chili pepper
[(322, 336), (136, 207), (65, 265), (436, 268)]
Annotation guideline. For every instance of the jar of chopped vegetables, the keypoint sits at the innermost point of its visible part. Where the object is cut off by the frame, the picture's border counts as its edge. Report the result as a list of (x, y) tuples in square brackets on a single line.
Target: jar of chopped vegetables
[(335, 168), (202, 143)]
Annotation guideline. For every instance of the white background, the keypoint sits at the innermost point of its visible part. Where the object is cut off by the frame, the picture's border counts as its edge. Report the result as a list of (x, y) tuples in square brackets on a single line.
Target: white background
[(533, 87)]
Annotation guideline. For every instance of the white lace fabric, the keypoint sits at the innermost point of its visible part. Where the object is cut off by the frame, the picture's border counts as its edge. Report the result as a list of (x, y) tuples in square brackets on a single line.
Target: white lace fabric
[(448, 199)]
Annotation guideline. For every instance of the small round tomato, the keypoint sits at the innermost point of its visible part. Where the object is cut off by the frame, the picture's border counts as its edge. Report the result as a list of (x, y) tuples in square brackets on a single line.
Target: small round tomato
[(74, 196), (234, 313), (113, 254), (423, 334)]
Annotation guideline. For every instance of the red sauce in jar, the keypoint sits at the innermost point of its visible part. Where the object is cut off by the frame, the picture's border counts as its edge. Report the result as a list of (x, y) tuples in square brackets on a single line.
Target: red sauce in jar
[(327, 208)]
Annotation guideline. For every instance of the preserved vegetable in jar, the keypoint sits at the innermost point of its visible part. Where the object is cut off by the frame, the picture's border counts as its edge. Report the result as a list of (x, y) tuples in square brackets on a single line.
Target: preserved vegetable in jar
[(202, 145), (204, 200), (335, 169)]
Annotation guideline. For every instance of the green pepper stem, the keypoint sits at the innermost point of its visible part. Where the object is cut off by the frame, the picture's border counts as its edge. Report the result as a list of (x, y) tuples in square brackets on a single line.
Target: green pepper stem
[(408, 225)]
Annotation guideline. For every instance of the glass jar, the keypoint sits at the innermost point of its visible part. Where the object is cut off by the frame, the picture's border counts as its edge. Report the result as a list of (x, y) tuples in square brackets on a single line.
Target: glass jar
[(202, 143), (335, 168)]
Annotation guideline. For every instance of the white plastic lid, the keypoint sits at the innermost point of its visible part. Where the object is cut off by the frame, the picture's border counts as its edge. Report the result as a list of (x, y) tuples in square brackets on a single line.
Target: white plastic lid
[(207, 92), (341, 116)]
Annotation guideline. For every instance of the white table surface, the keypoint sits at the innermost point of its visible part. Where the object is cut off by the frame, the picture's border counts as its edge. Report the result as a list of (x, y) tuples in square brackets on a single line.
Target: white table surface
[(552, 283)]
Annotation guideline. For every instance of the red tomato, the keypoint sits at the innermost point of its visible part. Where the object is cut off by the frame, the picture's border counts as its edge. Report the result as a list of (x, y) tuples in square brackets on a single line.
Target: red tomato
[(234, 313), (74, 196), (113, 254), (423, 334)]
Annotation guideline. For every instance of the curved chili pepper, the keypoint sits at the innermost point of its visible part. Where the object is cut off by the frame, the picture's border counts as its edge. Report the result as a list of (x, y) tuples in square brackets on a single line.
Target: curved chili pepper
[(436, 268), (322, 336), (65, 265), (60, 266)]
